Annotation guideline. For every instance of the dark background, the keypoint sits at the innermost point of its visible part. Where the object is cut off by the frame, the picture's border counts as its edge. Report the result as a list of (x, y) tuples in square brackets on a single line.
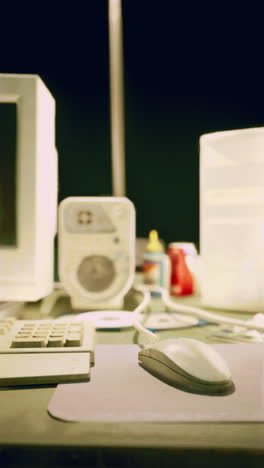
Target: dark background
[(189, 70)]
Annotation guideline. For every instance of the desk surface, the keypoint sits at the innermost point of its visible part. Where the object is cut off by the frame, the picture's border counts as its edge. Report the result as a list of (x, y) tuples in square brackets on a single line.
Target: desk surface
[(26, 425)]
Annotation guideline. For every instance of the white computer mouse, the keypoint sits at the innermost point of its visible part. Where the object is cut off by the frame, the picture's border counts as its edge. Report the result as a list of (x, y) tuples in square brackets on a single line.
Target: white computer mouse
[(189, 364)]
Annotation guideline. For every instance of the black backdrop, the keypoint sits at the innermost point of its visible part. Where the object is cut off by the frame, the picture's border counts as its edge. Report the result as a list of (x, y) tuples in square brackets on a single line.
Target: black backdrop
[(189, 70)]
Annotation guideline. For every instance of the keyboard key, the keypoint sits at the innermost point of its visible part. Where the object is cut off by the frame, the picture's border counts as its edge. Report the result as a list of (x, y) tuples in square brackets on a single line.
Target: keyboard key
[(40, 335), (24, 332), (56, 342), (23, 335), (28, 343), (75, 328), (73, 339)]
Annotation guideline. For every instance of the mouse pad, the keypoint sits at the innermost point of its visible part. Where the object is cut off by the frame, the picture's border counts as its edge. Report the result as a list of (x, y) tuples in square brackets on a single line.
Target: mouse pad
[(121, 391)]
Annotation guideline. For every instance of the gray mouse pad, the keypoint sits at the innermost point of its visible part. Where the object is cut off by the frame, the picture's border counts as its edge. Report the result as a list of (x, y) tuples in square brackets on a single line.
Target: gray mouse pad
[(120, 390)]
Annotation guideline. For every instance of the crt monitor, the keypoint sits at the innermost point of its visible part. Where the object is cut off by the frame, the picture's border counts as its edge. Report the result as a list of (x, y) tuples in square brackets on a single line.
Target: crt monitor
[(28, 188)]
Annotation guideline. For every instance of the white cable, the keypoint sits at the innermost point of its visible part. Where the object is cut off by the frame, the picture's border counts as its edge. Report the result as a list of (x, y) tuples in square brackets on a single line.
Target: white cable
[(151, 337), (201, 313), (49, 302)]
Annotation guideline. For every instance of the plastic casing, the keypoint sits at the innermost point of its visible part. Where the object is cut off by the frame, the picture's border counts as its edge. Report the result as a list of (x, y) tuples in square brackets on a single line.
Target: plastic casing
[(232, 219), (27, 270), (76, 246)]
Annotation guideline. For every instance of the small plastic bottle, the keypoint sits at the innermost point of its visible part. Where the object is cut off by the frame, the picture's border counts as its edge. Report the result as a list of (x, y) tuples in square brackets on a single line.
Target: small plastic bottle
[(156, 264)]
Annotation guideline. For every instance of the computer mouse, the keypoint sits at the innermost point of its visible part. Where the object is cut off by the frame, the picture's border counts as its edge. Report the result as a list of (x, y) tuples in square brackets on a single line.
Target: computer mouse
[(188, 364)]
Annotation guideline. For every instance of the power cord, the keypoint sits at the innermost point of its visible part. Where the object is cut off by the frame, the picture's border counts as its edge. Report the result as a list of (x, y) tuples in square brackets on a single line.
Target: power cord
[(49, 302), (189, 310)]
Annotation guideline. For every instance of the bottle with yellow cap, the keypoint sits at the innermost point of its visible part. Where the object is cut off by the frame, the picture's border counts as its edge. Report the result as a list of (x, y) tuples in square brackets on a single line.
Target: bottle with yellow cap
[(156, 265)]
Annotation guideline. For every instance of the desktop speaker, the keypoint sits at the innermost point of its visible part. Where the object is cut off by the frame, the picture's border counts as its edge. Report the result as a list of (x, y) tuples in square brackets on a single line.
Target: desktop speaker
[(96, 250), (232, 219)]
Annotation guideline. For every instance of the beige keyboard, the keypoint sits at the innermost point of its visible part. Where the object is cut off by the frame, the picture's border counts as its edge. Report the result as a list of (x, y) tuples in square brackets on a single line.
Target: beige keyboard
[(45, 351)]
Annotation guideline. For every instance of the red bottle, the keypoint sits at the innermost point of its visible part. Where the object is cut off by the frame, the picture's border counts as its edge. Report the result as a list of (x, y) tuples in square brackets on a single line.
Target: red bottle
[(182, 282)]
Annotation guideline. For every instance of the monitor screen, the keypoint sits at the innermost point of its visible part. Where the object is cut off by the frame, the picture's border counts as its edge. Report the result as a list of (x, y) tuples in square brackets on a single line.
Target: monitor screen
[(28, 188), (8, 159)]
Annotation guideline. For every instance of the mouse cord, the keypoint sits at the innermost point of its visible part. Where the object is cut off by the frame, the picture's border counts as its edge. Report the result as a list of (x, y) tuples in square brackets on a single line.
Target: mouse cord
[(201, 313), (49, 301), (150, 336)]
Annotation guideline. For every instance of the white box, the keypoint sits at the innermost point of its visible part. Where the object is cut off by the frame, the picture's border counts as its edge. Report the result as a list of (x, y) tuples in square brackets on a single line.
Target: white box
[(232, 219)]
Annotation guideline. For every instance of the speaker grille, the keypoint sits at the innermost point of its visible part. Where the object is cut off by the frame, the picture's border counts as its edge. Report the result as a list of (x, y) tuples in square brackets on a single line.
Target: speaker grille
[(96, 273)]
